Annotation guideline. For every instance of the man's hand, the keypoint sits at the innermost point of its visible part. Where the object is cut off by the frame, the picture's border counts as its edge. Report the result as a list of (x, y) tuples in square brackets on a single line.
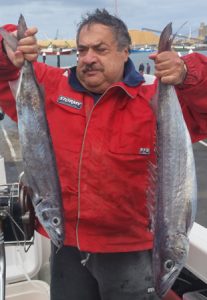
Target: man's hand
[(169, 67), (27, 48)]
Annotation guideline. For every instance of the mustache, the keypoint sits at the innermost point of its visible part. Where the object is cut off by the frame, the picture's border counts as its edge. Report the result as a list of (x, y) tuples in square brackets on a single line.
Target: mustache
[(91, 67)]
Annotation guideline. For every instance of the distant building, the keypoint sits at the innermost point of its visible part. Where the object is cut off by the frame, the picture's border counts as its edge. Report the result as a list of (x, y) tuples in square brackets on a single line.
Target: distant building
[(56, 43), (202, 31), (143, 38)]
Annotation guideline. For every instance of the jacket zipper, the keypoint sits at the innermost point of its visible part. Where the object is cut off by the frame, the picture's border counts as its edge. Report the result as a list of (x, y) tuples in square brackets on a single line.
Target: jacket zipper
[(79, 178), (80, 162)]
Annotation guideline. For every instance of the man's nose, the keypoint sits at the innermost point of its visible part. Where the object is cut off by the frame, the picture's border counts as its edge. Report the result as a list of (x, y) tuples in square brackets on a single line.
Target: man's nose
[(89, 57)]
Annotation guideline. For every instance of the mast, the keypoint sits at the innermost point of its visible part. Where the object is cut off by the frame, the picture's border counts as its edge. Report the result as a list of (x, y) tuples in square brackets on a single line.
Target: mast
[(116, 8)]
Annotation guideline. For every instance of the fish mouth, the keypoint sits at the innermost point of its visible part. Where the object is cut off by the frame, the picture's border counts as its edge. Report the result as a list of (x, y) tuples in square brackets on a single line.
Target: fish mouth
[(57, 242), (56, 236), (167, 282)]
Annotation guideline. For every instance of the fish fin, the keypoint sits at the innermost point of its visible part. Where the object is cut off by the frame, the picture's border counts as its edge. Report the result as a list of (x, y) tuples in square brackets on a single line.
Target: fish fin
[(152, 194), (42, 89), (154, 100), (10, 39), (36, 199)]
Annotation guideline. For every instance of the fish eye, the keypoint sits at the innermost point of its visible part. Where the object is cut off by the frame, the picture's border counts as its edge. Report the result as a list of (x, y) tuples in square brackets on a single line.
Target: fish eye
[(56, 221), (168, 265)]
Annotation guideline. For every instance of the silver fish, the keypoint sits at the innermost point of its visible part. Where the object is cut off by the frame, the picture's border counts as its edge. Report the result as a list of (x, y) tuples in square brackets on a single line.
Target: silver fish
[(176, 187), (37, 150)]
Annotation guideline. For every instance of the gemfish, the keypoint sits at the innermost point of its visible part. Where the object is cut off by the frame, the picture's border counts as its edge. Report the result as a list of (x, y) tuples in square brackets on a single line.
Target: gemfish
[(175, 183), (39, 162)]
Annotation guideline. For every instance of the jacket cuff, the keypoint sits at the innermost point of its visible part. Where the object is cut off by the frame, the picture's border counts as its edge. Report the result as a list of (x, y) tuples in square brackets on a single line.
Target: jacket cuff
[(193, 74)]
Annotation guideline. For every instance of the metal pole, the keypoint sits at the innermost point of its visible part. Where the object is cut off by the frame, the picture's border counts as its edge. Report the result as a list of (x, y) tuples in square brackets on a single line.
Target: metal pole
[(116, 8), (2, 171), (44, 57), (58, 59), (2, 263)]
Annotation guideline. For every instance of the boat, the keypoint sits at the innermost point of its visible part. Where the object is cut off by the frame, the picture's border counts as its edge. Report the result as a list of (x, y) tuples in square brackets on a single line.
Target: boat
[(56, 51), (141, 49)]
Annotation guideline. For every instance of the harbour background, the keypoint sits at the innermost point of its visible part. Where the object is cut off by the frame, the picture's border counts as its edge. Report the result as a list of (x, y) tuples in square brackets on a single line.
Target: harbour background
[(71, 59)]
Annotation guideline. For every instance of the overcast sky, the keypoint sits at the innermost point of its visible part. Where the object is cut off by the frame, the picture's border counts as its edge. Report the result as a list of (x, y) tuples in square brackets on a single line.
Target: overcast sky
[(53, 16)]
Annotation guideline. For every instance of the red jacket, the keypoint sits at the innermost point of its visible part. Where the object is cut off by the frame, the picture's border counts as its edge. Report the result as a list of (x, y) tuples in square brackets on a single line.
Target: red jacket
[(103, 150)]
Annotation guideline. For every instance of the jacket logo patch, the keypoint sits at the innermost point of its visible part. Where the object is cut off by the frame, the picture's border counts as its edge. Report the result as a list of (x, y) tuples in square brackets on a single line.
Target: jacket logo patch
[(70, 102), (144, 151)]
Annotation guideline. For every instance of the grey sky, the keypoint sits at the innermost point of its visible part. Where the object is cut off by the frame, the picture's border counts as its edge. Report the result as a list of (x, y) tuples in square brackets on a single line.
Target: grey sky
[(62, 16)]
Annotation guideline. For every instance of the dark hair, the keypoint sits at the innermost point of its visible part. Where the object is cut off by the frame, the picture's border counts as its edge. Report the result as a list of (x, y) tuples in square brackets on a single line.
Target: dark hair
[(117, 26)]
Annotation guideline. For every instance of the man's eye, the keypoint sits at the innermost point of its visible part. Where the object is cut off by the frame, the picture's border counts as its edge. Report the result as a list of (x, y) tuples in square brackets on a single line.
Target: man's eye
[(101, 49), (82, 51)]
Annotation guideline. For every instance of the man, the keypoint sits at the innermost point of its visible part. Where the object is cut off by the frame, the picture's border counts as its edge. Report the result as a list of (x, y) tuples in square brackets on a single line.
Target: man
[(148, 68), (100, 121), (141, 68)]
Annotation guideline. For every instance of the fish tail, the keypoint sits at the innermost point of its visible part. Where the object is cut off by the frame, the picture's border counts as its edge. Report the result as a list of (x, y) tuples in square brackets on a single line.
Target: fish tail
[(22, 27), (166, 39)]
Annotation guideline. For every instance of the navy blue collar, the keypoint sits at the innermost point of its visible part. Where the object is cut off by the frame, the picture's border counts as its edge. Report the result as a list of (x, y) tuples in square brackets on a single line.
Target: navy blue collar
[(131, 76)]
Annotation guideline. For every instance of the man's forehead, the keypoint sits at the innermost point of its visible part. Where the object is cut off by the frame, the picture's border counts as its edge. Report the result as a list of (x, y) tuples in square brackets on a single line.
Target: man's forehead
[(96, 26), (94, 44), (96, 33)]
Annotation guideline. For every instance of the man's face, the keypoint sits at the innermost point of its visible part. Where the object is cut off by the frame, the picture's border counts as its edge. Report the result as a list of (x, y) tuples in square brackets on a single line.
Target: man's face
[(100, 63)]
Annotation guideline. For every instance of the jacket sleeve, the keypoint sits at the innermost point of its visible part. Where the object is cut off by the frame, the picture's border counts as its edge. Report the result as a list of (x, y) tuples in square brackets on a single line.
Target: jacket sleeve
[(192, 95), (8, 72)]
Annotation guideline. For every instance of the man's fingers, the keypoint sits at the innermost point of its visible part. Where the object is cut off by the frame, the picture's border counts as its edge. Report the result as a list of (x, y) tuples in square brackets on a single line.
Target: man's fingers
[(170, 68), (28, 45), (27, 49), (18, 59), (31, 40), (168, 79), (31, 31), (30, 52), (153, 56), (31, 57)]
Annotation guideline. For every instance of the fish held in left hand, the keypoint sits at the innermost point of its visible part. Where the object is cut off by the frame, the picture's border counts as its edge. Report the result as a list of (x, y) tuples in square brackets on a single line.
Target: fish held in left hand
[(37, 150), (175, 180)]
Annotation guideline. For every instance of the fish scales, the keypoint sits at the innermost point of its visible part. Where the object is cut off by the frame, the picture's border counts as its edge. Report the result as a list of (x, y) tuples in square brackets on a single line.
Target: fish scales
[(34, 136), (176, 193), (37, 150)]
